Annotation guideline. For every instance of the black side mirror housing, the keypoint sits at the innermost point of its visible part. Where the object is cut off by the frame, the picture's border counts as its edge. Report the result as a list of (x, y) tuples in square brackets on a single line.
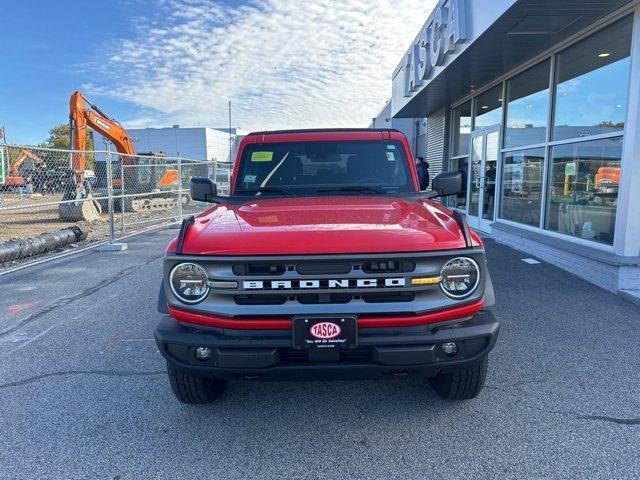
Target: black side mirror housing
[(447, 184), (203, 189)]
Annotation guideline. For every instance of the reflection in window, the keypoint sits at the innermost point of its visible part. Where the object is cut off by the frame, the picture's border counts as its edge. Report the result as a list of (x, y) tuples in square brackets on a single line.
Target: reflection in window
[(522, 186), (459, 165), (583, 190), (528, 107), (592, 81), (460, 129), (488, 108), (477, 148)]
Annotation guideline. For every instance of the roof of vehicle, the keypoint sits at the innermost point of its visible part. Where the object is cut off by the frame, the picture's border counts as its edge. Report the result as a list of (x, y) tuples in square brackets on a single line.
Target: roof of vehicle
[(323, 134), (320, 130)]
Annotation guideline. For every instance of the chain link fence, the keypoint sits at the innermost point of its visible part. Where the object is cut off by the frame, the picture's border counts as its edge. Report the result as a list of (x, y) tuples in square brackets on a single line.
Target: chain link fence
[(46, 206)]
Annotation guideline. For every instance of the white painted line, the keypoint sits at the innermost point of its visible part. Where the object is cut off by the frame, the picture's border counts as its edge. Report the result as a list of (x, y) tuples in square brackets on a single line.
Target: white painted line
[(530, 261)]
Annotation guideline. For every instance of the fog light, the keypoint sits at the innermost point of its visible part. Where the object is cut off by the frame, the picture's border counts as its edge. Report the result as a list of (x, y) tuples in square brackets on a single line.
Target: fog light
[(449, 349), (203, 353)]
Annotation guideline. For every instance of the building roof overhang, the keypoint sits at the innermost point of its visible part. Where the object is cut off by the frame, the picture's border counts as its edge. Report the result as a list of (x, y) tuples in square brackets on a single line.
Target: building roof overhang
[(500, 36)]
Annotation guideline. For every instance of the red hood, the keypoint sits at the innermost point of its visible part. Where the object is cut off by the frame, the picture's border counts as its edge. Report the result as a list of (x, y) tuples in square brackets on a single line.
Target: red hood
[(323, 225)]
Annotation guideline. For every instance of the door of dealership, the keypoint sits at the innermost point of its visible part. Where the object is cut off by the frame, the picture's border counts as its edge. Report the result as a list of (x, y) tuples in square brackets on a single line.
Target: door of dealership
[(485, 150)]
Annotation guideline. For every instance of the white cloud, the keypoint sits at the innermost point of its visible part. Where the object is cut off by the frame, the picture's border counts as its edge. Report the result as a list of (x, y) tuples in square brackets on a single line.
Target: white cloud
[(283, 63)]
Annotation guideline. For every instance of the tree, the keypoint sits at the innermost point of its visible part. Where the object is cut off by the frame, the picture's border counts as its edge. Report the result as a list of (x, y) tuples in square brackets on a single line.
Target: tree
[(59, 138), (610, 124)]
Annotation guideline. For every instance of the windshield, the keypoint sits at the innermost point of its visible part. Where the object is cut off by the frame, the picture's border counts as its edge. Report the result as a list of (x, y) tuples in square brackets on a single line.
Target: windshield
[(299, 168)]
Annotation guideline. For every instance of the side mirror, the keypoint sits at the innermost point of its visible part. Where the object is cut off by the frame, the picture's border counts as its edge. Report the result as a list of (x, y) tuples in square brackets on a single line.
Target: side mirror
[(203, 189), (447, 183)]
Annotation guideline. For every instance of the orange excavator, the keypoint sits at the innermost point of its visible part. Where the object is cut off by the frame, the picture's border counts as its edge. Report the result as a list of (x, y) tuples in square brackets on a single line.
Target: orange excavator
[(84, 114), (19, 176), (144, 177)]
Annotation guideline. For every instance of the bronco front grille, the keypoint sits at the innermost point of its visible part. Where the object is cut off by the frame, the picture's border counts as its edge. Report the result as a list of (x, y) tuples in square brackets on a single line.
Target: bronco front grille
[(323, 282)]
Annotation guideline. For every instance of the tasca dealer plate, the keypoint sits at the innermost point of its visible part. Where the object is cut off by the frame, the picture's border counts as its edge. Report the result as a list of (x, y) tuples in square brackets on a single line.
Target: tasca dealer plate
[(325, 332)]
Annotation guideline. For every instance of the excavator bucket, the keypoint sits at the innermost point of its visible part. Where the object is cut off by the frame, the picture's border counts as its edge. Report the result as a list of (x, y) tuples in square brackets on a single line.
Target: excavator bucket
[(78, 205), (86, 210)]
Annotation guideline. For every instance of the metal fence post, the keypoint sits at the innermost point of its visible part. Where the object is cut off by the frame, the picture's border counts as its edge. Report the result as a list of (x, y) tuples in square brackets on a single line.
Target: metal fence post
[(121, 193), (111, 246), (110, 196), (180, 189)]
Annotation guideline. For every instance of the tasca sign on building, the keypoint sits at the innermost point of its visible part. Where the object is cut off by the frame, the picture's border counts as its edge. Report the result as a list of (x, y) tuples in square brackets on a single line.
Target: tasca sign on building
[(439, 40), (445, 29)]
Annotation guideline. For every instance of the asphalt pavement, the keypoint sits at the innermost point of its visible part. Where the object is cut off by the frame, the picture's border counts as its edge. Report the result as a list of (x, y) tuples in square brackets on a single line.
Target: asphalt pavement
[(83, 391)]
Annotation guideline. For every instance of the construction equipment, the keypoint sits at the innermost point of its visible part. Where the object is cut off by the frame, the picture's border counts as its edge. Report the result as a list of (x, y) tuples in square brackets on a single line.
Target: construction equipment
[(78, 203), (607, 181), (21, 173), (133, 173)]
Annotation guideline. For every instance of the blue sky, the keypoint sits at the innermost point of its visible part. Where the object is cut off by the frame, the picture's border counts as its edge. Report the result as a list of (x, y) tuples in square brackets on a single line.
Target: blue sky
[(46, 49), (283, 63)]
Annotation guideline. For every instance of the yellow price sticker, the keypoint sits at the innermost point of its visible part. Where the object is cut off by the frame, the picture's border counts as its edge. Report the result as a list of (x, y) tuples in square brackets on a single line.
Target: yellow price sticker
[(261, 156)]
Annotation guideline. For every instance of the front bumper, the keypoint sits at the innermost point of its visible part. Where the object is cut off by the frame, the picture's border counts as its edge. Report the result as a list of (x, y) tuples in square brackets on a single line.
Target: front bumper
[(269, 354)]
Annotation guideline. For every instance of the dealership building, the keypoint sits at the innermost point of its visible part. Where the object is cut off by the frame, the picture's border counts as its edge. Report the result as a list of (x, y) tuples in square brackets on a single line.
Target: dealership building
[(537, 104)]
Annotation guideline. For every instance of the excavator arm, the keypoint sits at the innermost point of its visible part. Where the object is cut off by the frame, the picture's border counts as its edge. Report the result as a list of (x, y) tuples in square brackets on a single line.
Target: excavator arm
[(82, 115)]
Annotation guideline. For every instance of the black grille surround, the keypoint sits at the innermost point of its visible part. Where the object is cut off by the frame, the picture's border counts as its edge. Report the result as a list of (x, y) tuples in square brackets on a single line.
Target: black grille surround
[(382, 299), (378, 270)]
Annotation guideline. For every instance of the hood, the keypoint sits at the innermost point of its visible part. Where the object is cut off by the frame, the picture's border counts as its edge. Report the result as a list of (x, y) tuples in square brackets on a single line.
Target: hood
[(323, 225)]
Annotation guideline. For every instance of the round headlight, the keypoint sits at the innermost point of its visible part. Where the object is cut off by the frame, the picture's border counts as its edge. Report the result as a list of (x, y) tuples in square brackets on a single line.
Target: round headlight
[(460, 277), (189, 282)]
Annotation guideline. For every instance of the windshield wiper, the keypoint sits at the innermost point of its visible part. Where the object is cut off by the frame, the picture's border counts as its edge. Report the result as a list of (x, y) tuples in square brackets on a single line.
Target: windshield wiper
[(269, 190), (354, 188)]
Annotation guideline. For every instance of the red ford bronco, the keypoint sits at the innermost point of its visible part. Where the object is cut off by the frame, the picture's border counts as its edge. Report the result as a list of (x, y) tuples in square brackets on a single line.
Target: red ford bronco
[(325, 261)]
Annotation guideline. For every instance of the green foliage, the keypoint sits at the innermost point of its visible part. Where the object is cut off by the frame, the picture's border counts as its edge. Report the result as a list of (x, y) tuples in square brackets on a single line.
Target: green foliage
[(610, 124), (59, 138)]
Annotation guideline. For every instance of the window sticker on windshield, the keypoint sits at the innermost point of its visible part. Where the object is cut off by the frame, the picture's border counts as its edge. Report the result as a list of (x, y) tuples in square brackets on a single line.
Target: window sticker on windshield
[(391, 157), (250, 179), (261, 156), (391, 147)]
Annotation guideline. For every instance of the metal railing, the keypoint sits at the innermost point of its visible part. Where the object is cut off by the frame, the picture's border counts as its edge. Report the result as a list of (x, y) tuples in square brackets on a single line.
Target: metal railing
[(123, 194)]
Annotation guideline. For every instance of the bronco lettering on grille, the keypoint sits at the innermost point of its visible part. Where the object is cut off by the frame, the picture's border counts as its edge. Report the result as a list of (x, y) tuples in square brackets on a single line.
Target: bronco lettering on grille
[(323, 284)]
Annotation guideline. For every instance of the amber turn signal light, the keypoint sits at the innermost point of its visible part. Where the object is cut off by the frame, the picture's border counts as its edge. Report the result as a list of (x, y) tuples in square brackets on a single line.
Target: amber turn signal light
[(426, 280)]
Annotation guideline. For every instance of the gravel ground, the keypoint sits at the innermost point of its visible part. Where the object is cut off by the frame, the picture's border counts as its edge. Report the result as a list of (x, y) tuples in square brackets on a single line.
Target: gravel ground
[(83, 392)]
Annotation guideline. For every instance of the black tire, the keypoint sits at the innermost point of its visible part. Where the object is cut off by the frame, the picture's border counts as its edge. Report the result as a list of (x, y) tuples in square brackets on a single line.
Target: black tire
[(194, 390), (463, 384)]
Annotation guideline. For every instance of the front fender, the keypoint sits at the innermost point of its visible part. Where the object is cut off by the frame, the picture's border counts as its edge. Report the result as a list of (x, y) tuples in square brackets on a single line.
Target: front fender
[(489, 294), (162, 300)]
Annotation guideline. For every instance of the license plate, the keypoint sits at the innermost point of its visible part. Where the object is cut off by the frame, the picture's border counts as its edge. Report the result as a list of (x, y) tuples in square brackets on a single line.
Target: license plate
[(325, 332)]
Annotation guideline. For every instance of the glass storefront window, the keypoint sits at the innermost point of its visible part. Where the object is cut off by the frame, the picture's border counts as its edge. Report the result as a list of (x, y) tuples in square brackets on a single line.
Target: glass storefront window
[(583, 189), (528, 107), (521, 198), (488, 108), (460, 129), (592, 82)]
